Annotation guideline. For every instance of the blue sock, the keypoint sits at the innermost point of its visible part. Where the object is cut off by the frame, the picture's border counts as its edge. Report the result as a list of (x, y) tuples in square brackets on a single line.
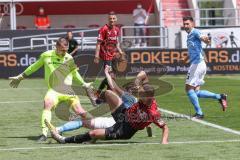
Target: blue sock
[(194, 99), (207, 94), (69, 126)]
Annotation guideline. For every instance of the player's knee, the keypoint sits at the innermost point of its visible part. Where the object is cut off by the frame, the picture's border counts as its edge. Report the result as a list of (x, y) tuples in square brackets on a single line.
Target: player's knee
[(93, 133), (143, 73), (108, 94), (48, 103), (187, 88), (79, 110)]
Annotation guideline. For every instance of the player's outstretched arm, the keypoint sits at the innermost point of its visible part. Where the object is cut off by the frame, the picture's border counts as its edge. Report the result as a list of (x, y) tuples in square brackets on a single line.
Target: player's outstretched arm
[(205, 39), (165, 131), (31, 69), (16, 80)]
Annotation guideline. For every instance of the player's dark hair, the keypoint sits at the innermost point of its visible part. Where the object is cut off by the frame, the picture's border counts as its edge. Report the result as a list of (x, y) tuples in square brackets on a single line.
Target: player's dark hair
[(148, 90), (69, 31), (188, 18), (129, 87), (61, 40)]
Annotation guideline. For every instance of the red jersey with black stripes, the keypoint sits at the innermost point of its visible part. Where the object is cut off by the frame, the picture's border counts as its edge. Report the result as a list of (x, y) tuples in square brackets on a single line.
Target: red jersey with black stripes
[(140, 115), (108, 38)]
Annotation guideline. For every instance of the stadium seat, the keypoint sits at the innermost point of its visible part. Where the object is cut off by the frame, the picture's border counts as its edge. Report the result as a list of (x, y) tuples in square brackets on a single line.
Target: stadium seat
[(69, 26), (168, 6), (21, 27), (93, 26)]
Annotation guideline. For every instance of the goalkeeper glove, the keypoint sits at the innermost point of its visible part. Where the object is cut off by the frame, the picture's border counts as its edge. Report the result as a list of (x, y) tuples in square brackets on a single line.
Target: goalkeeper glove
[(16, 80), (87, 85)]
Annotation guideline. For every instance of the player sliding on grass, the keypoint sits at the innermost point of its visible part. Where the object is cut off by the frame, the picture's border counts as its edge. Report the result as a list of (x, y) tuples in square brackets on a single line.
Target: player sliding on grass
[(61, 64), (128, 120), (197, 70), (105, 122)]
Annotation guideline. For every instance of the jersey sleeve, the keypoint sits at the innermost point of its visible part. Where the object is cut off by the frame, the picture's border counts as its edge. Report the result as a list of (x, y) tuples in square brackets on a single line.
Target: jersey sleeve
[(35, 66), (75, 42), (74, 70), (118, 31), (48, 21), (197, 34), (77, 77), (101, 35), (159, 122)]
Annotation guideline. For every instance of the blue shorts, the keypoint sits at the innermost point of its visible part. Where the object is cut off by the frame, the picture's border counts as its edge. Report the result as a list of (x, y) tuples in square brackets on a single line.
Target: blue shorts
[(128, 100)]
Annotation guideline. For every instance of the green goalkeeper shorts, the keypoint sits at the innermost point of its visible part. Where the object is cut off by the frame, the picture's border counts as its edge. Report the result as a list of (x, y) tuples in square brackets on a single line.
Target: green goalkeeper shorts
[(57, 97)]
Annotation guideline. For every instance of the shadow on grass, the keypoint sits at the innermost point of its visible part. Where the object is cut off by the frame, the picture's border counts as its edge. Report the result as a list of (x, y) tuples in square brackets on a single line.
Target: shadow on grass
[(33, 138)]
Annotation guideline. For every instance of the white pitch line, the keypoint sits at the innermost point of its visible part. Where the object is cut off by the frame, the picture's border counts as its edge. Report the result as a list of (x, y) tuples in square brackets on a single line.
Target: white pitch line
[(202, 122), (117, 144)]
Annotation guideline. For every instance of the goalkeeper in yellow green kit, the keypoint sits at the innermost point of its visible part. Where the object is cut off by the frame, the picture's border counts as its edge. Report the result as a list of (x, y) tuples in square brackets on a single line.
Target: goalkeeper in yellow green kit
[(60, 71)]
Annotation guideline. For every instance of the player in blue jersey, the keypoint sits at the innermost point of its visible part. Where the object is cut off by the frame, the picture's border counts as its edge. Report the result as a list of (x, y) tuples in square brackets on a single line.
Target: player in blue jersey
[(197, 69)]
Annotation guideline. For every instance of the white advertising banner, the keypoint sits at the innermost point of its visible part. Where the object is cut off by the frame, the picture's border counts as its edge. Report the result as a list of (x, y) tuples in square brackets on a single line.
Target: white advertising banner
[(220, 37)]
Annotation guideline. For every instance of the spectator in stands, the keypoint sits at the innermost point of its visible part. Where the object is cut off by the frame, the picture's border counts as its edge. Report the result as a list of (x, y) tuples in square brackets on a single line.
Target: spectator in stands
[(232, 40), (139, 17), (210, 39), (73, 44), (42, 21)]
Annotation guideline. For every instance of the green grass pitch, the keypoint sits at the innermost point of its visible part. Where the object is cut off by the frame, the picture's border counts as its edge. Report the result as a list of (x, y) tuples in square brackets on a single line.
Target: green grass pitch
[(20, 113)]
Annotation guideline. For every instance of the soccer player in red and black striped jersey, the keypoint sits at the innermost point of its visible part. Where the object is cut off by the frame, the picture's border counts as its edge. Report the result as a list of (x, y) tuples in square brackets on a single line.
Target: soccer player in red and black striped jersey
[(107, 41), (108, 48), (128, 120)]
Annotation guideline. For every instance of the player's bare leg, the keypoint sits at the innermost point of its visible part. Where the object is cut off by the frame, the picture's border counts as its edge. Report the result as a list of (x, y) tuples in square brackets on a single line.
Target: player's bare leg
[(78, 109), (113, 100)]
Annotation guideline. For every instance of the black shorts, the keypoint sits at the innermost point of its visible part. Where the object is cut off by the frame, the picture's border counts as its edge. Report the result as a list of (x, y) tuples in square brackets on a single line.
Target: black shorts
[(107, 62), (111, 63), (121, 129)]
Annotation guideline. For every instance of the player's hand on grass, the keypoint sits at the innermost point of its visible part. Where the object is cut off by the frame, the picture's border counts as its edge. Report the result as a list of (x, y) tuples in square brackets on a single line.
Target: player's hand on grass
[(15, 80)]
